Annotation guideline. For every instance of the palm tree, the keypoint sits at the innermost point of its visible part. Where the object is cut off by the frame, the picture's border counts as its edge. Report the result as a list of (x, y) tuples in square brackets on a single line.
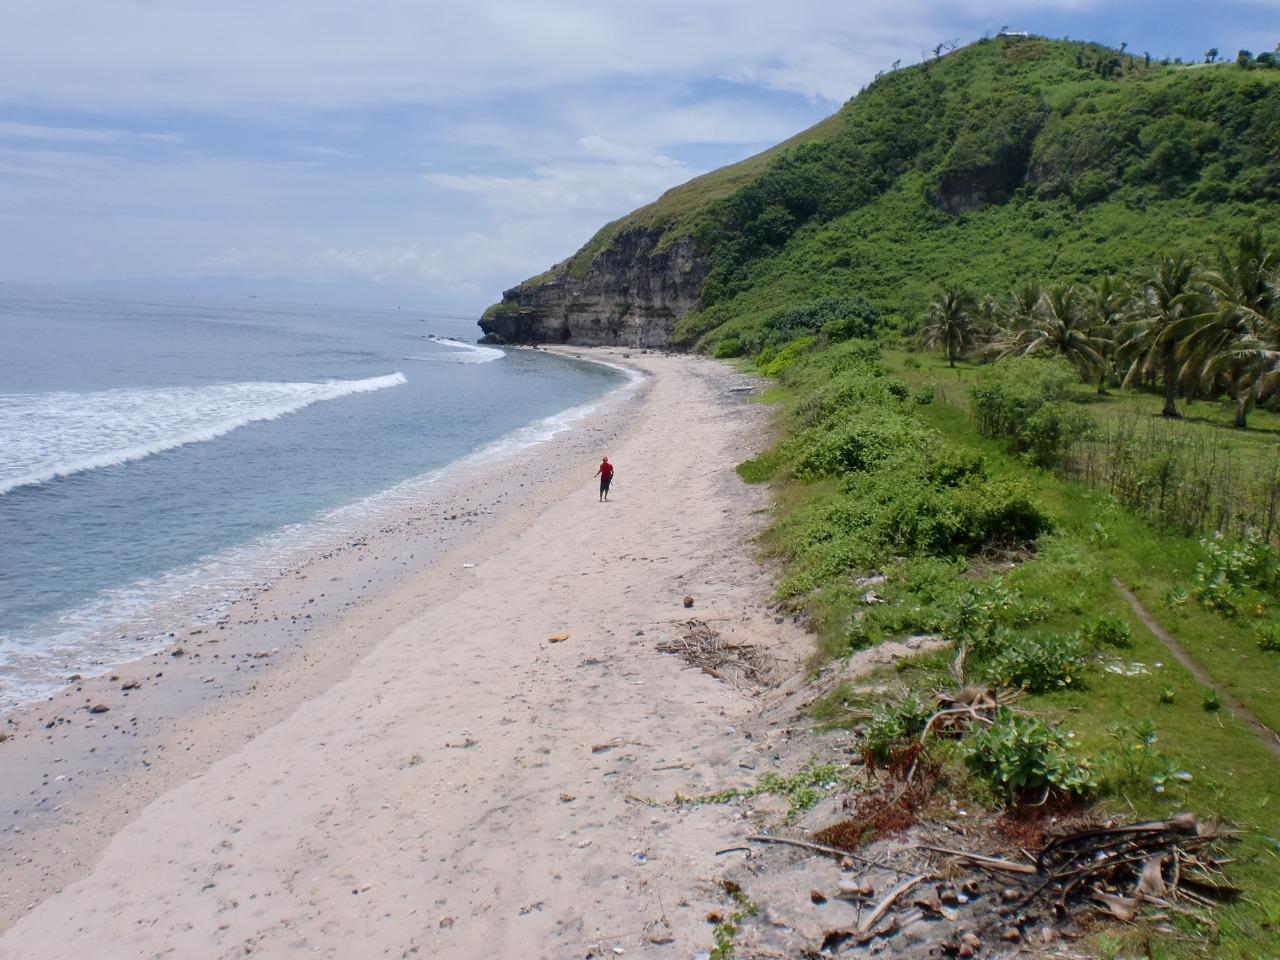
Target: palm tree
[(1230, 340), (1108, 304), (1172, 295), (1013, 319), (950, 323), (1058, 325)]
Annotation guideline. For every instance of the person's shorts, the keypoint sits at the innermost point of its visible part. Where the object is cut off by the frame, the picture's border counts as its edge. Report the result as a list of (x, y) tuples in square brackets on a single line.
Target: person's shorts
[(604, 484)]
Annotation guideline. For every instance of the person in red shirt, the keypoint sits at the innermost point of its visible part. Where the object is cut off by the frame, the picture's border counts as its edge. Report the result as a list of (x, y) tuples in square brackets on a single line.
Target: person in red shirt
[(605, 473)]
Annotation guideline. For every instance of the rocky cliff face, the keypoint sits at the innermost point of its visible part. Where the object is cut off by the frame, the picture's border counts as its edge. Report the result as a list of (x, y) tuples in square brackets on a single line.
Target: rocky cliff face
[(630, 295)]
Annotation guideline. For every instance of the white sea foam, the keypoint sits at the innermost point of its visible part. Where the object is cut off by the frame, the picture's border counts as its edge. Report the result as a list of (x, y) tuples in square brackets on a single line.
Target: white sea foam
[(44, 436), (124, 623), (464, 352)]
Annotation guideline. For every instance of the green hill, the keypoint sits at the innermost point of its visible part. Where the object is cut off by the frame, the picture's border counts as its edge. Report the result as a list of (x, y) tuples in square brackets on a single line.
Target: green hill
[(1011, 159)]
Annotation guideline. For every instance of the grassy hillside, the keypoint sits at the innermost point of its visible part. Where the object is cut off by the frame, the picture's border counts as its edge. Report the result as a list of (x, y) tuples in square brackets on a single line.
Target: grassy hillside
[(1010, 160)]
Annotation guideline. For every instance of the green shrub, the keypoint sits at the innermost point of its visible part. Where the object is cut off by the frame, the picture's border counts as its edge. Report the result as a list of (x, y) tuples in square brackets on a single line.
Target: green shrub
[(1110, 632), (950, 467), (1231, 567), (771, 363), (1210, 700), (924, 395), (893, 724), (728, 348), (1269, 638), (1025, 400), (1048, 434), (1038, 664), (859, 445), (837, 318), (981, 616), (1133, 761), (915, 516), (1023, 756)]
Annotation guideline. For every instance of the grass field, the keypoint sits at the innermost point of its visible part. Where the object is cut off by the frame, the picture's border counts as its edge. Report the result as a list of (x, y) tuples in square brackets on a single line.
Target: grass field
[(1220, 769), (1195, 475)]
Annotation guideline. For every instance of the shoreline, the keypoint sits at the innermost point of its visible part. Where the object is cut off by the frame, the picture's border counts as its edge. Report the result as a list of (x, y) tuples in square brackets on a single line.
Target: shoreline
[(72, 776), (199, 594), (435, 775)]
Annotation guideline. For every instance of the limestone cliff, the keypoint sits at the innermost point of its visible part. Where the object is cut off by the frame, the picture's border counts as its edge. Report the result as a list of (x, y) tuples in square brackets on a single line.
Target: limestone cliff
[(629, 293)]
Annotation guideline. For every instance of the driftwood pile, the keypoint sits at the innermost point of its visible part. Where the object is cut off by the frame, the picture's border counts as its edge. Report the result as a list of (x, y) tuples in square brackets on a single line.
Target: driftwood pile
[(1168, 864), (1155, 869), (701, 645)]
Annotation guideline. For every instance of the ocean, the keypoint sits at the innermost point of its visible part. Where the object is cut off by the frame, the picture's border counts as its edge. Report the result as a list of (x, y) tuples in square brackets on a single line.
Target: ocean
[(162, 452)]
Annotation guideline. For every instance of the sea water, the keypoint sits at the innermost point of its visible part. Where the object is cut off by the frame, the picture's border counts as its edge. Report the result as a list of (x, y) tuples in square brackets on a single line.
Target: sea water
[(161, 450)]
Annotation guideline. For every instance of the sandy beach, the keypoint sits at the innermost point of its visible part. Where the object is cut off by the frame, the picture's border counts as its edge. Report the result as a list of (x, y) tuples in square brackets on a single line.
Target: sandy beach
[(421, 770)]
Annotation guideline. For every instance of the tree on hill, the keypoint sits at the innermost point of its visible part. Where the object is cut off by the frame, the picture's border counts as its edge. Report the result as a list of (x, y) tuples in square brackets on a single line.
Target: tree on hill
[(1108, 304), (1172, 293), (950, 323), (1058, 325), (1227, 343)]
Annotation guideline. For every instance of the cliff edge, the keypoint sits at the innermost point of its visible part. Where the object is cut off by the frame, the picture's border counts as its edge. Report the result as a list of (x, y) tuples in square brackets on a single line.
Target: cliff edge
[(631, 294)]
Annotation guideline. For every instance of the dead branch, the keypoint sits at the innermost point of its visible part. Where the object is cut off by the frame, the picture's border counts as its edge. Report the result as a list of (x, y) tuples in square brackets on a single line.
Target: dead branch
[(873, 918), (994, 863)]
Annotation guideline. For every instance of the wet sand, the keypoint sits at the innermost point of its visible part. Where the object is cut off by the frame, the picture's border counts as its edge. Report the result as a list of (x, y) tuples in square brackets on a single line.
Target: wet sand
[(417, 769)]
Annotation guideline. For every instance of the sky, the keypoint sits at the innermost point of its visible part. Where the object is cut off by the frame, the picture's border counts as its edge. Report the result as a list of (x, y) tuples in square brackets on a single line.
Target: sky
[(432, 153)]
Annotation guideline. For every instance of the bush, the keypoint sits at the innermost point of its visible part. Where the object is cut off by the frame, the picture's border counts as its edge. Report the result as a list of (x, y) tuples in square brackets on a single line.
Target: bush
[(728, 348), (1110, 632), (924, 395), (837, 318), (980, 617), (1023, 756), (918, 517), (1038, 664), (1048, 434), (950, 467), (772, 362), (894, 723), (860, 445), (1091, 187), (1232, 567), (1024, 400), (1269, 638)]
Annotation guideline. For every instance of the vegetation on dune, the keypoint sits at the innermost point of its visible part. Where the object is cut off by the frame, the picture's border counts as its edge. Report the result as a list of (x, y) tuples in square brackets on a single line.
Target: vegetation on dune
[(898, 517)]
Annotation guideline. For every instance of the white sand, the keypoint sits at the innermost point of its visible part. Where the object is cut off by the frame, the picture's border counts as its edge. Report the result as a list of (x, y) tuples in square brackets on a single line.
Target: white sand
[(469, 789)]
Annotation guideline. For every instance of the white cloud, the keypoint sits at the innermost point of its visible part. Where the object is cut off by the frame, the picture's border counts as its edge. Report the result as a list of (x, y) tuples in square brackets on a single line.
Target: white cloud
[(238, 55), (34, 131), (454, 147)]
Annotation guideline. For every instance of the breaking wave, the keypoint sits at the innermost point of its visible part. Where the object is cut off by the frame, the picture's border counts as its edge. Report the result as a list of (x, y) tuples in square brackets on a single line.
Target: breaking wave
[(44, 436), (464, 352)]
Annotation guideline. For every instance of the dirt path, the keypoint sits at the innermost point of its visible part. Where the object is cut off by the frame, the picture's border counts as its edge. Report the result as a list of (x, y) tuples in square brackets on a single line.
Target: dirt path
[(472, 789), (1265, 734)]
